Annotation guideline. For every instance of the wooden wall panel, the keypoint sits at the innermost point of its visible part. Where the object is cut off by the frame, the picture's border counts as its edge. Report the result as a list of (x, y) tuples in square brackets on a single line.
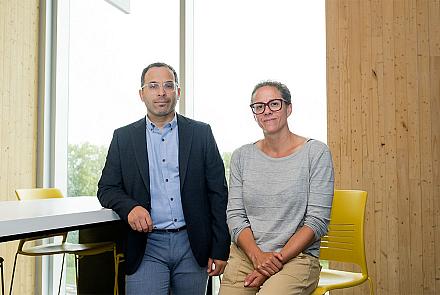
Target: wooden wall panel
[(383, 86), (18, 117)]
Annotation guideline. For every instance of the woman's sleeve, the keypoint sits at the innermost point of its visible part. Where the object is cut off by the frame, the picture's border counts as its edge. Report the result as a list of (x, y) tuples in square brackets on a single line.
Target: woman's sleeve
[(320, 191), (236, 213)]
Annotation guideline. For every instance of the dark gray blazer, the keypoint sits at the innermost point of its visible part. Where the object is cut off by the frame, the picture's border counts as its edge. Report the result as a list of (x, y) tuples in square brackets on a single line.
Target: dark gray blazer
[(125, 183)]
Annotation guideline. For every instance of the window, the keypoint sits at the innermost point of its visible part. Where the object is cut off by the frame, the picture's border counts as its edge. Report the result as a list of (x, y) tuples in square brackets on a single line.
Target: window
[(108, 51), (101, 52), (240, 43), (237, 44), (229, 47)]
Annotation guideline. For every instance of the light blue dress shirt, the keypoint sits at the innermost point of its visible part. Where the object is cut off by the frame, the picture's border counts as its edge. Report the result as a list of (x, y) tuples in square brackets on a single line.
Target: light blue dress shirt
[(163, 160)]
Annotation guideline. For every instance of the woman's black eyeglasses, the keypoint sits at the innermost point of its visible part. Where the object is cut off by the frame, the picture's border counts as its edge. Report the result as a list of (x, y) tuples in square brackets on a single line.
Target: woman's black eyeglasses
[(274, 105)]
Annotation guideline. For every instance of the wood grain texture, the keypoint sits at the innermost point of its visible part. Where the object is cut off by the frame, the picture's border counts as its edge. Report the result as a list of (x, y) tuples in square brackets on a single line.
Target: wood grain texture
[(383, 87), (18, 118)]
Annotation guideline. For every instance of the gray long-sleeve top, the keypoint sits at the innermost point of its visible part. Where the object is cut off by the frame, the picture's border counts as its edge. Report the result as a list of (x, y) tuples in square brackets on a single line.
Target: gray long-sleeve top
[(277, 196)]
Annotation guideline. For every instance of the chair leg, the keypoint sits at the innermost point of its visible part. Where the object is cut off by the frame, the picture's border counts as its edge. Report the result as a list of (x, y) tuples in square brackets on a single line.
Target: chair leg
[(3, 281), (370, 281), (61, 275), (13, 273), (116, 260), (76, 273)]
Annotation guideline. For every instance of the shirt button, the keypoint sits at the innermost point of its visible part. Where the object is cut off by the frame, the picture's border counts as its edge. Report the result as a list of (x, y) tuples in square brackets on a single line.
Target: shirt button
[(163, 160), (166, 180), (163, 139), (172, 199), (175, 219)]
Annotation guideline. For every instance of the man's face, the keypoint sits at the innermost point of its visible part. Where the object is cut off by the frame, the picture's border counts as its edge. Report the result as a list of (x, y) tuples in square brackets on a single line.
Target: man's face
[(157, 95), (271, 121)]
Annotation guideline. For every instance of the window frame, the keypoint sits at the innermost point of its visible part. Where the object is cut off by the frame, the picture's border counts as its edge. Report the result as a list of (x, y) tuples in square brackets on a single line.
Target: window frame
[(53, 99)]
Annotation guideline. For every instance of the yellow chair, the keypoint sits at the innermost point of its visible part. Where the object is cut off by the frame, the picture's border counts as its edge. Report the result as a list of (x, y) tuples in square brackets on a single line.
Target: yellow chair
[(63, 247), (344, 242)]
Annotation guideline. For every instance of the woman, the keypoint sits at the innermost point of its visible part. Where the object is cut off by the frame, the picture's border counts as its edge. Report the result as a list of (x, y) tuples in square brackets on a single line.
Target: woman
[(280, 196)]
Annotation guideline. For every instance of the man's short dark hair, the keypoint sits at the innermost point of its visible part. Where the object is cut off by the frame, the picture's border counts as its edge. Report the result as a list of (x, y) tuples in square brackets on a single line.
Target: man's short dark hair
[(159, 65), (285, 93)]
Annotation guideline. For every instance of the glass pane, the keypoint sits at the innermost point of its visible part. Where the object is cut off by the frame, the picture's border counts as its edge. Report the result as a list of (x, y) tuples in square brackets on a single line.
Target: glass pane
[(106, 53), (240, 43)]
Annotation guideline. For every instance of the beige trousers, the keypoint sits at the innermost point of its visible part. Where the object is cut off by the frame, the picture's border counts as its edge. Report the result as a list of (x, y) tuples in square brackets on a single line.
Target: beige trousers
[(299, 276)]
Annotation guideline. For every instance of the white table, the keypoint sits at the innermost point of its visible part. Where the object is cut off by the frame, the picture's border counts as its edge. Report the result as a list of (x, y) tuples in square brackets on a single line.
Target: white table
[(20, 219)]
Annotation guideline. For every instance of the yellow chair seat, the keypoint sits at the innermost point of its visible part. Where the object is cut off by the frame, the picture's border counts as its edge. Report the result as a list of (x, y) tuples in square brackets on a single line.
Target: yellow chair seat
[(336, 279)]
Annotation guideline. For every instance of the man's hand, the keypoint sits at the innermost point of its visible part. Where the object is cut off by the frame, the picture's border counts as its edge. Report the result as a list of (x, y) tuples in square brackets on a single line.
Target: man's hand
[(254, 279), (268, 263), (216, 267), (140, 220)]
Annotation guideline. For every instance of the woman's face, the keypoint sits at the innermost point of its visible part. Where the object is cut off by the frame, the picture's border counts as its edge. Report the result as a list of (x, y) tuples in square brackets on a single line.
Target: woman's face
[(271, 121)]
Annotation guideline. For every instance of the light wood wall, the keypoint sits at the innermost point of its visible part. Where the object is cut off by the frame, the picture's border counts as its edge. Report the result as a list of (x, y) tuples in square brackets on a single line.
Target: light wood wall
[(383, 85), (18, 118)]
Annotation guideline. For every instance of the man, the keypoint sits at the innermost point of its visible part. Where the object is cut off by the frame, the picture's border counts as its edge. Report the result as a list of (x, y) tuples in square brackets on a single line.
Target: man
[(164, 176)]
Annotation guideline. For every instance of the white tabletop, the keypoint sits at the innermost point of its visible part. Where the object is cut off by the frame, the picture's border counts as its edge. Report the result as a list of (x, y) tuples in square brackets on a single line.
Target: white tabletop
[(21, 218)]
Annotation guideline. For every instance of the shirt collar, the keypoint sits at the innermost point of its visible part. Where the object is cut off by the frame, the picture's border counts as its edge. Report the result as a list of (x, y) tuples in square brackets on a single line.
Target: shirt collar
[(171, 124)]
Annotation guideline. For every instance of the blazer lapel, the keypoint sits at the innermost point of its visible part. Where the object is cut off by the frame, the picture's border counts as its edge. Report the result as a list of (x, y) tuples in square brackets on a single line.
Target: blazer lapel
[(138, 136), (185, 140)]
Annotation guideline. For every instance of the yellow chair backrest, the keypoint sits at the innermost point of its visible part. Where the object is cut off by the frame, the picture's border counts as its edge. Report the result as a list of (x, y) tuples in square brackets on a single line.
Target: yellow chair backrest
[(344, 241), (38, 193)]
